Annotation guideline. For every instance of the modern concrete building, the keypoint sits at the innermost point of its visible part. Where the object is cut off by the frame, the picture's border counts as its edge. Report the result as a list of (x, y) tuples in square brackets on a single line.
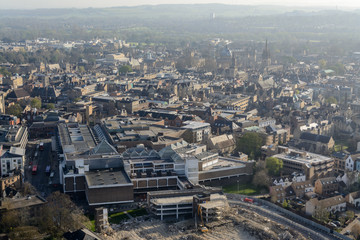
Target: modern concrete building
[(198, 131), (310, 164), (13, 136), (181, 204), (92, 166)]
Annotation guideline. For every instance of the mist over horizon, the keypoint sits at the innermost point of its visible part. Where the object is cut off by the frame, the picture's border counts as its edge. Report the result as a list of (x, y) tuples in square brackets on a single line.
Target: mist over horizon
[(41, 4)]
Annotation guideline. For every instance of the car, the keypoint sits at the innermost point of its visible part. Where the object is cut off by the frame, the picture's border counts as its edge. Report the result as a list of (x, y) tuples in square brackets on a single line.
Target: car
[(337, 223), (347, 232), (332, 224)]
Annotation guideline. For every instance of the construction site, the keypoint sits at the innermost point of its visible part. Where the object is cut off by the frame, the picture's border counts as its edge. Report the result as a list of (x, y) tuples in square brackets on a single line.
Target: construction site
[(212, 221)]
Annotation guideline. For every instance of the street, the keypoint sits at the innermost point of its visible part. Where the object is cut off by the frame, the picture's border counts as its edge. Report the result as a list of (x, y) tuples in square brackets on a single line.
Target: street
[(41, 158)]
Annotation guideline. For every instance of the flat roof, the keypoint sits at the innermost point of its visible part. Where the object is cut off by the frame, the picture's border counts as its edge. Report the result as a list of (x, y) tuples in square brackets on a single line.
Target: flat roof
[(173, 200), (195, 125), (224, 163), (23, 202), (107, 178), (308, 158)]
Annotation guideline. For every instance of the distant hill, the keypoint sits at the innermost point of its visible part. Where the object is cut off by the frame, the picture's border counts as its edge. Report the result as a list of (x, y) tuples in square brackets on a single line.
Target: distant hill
[(194, 11)]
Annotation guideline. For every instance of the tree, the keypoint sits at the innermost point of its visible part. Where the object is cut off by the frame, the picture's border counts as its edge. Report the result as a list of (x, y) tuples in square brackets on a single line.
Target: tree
[(60, 214), (250, 143), (15, 110), (273, 165), (4, 72), (286, 204), (28, 189), (25, 233), (35, 103), (331, 100), (81, 69), (261, 179), (125, 69), (321, 214), (350, 215), (50, 106), (9, 219), (322, 63)]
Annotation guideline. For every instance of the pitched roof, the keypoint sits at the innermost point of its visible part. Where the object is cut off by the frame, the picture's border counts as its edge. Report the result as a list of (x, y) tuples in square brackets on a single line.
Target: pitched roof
[(314, 137), (328, 202), (355, 195), (19, 93), (104, 148)]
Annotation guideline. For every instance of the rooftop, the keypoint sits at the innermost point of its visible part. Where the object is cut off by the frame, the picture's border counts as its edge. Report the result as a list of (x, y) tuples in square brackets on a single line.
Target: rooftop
[(23, 202), (195, 125), (107, 178), (303, 157)]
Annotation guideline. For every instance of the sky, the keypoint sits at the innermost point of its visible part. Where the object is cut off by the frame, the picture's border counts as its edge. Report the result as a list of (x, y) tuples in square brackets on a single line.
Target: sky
[(35, 4)]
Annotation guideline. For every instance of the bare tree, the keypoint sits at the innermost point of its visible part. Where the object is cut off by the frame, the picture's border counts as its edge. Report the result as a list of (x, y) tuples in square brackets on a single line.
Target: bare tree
[(261, 179)]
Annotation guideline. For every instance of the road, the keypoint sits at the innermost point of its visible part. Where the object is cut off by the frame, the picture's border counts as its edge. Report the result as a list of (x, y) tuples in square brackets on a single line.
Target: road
[(44, 158), (263, 211), (303, 226)]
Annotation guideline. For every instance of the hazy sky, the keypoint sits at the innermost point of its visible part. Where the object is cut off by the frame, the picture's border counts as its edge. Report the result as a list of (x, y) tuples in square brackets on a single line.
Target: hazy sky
[(33, 4)]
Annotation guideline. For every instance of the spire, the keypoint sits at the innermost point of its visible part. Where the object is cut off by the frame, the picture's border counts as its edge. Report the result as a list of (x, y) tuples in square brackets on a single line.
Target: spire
[(266, 47)]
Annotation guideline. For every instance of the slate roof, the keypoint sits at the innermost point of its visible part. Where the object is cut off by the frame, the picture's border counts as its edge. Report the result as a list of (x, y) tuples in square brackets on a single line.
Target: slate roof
[(314, 137), (19, 93), (340, 155)]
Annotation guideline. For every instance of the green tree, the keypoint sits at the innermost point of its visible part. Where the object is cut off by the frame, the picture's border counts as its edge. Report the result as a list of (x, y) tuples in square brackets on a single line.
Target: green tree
[(322, 63), (274, 165), (250, 143), (35, 103), (350, 215), (331, 100), (81, 69), (286, 204), (125, 69), (15, 110), (50, 106), (4, 72)]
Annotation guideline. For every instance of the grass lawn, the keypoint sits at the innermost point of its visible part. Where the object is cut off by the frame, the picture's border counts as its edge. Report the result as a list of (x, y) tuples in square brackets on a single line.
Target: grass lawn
[(138, 212), (116, 218), (90, 224), (337, 147), (245, 189)]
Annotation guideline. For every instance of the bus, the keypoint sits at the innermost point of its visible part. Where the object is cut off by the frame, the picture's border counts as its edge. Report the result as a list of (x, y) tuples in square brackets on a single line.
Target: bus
[(34, 170), (41, 146), (47, 170)]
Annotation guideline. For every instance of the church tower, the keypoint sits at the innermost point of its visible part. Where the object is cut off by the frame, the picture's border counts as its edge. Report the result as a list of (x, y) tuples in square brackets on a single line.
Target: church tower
[(266, 60)]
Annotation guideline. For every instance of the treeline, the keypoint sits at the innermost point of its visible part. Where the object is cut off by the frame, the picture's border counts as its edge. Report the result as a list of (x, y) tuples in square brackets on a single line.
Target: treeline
[(48, 55), (50, 221)]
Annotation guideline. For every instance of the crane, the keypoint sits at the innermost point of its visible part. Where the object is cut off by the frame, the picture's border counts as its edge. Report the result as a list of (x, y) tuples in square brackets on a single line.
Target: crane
[(202, 226)]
